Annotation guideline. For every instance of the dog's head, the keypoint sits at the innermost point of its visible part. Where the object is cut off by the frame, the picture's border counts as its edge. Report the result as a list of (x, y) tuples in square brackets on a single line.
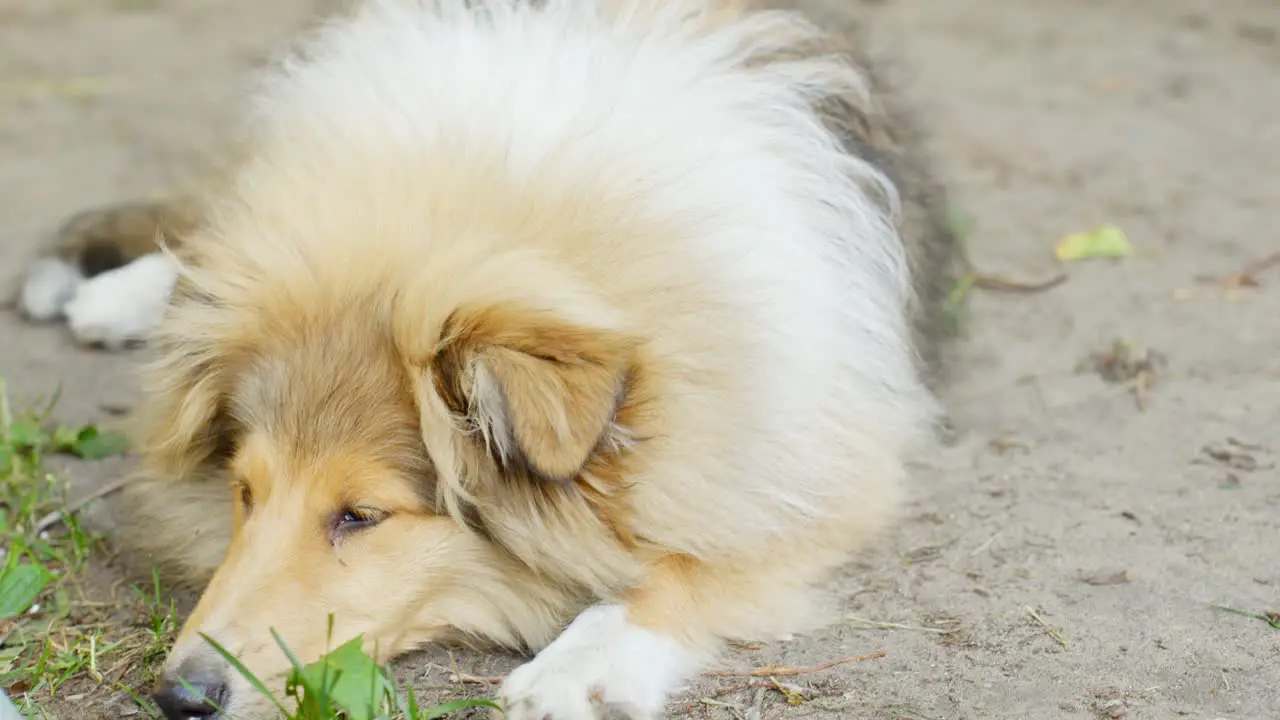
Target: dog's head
[(393, 460)]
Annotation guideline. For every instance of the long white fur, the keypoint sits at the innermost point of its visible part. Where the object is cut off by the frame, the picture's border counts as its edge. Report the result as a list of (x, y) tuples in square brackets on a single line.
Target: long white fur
[(779, 300), (783, 228)]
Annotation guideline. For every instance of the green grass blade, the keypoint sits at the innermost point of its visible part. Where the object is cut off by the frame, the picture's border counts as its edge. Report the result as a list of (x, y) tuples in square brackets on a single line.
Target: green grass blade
[(240, 668), (145, 705), (293, 659), (196, 691), (1272, 619)]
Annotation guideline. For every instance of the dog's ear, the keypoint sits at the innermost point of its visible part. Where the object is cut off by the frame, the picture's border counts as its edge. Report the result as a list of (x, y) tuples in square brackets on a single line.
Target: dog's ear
[(184, 421), (185, 424), (542, 393)]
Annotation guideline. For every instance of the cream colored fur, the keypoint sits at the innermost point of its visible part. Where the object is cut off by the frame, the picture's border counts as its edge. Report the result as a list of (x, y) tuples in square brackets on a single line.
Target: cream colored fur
[(471, 238)]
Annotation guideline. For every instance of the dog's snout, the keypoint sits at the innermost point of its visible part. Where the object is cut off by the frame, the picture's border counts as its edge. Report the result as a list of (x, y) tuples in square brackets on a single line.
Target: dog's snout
[(195, 690)]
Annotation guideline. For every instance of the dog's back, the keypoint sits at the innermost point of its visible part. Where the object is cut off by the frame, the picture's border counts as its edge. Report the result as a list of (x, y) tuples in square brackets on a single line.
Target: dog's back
[(878, 128)]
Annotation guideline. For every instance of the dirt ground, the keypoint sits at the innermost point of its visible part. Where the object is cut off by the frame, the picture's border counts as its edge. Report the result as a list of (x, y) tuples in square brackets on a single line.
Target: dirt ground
[(1062, 503)]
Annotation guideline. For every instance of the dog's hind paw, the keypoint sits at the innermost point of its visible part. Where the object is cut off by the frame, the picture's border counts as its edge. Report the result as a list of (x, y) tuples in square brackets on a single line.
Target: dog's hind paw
[(601, 666), (122, 307)]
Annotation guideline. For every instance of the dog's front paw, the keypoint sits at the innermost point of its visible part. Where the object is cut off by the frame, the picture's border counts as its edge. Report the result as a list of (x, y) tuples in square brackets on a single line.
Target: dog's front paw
[(601, 666)]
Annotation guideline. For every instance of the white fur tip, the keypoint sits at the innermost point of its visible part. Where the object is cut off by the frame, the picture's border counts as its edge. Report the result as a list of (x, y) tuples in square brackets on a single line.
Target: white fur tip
[(50, 284), (600, 661)]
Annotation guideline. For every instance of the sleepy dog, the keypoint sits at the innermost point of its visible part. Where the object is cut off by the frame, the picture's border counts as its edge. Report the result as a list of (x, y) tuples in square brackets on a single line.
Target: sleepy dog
[(528, 323)]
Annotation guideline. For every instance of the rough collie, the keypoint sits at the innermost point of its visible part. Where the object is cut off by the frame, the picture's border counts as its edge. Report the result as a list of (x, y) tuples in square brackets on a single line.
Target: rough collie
[(579, 327)]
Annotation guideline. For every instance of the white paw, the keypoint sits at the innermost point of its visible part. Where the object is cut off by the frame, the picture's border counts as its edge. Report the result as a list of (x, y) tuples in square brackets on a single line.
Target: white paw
[(48, 287), (121, 307), (600, 662)]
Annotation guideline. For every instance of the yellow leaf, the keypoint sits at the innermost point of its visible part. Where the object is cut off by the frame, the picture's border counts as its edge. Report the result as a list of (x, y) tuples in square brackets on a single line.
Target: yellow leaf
[(1107, 241)]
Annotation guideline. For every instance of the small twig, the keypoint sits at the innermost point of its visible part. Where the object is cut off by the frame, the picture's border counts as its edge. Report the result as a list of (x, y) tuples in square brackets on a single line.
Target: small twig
[(785, 671), (1266, 263), (737, 712), (122, 667), (731, 689), (975, 280), (1052, 631), (453, 664), (1002, 284), (978, 550), (459, 678), (57, 516), (420, 689), (760, 686), (1248, 277), (898, 626)]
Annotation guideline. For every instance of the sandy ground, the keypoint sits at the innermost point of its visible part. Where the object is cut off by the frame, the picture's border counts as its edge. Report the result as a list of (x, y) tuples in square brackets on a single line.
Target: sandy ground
[(1061, 499)]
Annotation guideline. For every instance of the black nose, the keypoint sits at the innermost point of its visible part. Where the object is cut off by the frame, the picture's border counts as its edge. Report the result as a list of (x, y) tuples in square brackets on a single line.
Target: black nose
[(191, 692)]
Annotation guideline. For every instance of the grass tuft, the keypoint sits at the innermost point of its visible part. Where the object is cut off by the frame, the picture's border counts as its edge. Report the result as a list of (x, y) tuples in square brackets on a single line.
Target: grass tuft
[(53, 638), (345, 683)]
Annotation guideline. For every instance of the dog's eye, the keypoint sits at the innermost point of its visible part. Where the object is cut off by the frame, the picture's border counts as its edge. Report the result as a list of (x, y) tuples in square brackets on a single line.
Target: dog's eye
[(353, 519)]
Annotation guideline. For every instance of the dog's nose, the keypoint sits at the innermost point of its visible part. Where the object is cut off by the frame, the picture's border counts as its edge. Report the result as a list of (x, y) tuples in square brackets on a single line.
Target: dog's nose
[(192, 692)]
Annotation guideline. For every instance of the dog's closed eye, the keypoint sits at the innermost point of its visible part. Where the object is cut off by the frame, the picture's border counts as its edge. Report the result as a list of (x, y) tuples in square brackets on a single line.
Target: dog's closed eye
[(354, 519)]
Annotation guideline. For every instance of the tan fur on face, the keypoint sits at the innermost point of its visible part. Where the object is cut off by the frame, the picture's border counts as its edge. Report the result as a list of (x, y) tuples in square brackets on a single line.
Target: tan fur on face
[(318, 390), (321, 421)]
